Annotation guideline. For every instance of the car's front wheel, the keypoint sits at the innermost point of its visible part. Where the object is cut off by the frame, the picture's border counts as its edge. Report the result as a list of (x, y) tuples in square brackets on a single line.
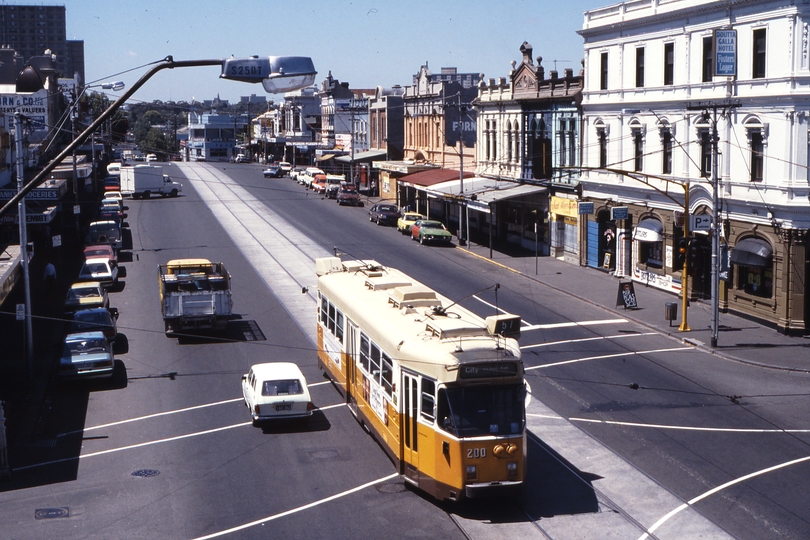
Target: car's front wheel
[(422, 240)]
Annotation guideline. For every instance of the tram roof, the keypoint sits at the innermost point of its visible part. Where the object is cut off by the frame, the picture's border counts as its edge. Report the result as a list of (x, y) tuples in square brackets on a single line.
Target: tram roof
[(410, 321)]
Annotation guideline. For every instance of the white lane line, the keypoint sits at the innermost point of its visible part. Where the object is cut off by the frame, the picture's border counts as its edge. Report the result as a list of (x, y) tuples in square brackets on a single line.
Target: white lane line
[(606, 356), (572, 324), (148, 416), (686, 428), (583, 340), (138, 445), (300, 508), (718, 489)]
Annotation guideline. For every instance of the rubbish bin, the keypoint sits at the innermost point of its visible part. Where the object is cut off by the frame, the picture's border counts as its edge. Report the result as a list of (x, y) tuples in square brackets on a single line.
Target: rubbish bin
[(671, 311)]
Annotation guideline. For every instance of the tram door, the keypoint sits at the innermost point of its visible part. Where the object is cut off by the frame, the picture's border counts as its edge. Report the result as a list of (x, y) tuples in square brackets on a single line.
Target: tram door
[(352, 350), (410, 419)]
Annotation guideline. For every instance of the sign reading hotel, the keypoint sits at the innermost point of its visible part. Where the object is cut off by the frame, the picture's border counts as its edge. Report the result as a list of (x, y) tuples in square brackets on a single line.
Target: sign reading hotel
[(725, 55)]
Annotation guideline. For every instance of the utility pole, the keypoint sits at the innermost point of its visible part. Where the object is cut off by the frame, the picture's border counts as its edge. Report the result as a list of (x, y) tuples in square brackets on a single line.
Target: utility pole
[(462, 240), (724, 106), (29, 331)]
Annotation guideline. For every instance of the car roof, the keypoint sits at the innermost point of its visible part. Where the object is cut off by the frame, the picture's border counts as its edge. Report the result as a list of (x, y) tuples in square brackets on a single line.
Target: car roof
[(89, 311), (96, 260), (80, 284), (277, 369), (85, 336), (100, 247)]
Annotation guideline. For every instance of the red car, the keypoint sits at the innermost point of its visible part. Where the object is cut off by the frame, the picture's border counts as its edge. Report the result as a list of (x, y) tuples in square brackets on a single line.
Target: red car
[(100, 250)]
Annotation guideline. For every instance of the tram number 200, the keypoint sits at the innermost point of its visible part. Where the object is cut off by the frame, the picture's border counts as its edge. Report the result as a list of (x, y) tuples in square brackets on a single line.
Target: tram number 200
[(474, 453)]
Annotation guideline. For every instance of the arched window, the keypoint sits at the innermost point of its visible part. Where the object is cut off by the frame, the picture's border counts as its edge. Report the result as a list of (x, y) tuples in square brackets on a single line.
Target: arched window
[(756, 132)]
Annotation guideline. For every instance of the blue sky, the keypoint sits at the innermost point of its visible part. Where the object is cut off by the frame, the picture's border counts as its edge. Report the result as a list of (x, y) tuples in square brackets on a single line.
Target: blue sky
[(366, 43)]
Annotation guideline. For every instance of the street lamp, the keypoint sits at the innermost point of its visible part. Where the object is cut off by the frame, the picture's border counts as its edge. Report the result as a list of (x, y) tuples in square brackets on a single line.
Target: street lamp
[(276, 73)]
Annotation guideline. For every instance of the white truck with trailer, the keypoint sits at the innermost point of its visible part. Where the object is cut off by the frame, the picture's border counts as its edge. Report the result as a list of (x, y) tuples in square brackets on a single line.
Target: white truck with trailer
[(194, 294), (144, 180)]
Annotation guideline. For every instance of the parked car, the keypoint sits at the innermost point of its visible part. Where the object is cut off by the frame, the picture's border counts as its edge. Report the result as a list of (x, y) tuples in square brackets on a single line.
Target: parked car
[(309, 175), (296, 172), (112, 183), (273, 171), (319, 183), (406, 220), (100, 250), (285, 167), (96, 320), (333, 184), (383, 214), (101, 269), (86, 355), (241, 158), (86, 295), (430, 231), (348, 196), (104, 232), (113, 195), (276, 390)]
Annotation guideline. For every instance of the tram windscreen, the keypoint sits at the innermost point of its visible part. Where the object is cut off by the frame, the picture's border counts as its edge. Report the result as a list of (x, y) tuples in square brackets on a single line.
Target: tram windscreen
[(471, 411)]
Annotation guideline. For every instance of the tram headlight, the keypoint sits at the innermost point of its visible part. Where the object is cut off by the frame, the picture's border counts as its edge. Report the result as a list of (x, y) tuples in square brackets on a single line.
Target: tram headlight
[(472, 472), (512, 469), (499, 450)]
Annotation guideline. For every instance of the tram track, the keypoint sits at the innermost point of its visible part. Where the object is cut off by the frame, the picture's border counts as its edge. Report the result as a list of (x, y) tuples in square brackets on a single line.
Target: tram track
[(603, 499)]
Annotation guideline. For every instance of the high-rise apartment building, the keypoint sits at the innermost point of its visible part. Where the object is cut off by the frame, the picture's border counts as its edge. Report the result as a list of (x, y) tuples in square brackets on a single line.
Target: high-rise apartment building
[(31, 30)]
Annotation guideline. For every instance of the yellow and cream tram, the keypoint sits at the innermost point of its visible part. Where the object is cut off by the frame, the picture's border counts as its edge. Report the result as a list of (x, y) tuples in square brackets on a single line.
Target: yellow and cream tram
[(440, 388)]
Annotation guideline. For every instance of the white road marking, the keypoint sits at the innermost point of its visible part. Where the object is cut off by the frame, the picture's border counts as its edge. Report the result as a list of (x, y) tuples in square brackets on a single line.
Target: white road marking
[(718, 489), (572, 324), (138, 445), (148, 416), (300, 508), (606, 356), (668, 426), (583, 340)]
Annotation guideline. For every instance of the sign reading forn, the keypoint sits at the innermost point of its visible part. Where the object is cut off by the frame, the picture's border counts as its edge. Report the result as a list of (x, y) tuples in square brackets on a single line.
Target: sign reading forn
[(725, 56)]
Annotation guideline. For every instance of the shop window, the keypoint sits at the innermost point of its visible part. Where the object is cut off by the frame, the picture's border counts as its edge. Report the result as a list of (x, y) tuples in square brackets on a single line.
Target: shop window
[(651, 254), (756, 281)]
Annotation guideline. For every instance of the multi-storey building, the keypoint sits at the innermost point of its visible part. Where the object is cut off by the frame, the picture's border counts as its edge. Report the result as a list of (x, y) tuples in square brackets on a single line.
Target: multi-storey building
[(528, 133), (212, 137), (31, 30), (438, 114), (661, 75)]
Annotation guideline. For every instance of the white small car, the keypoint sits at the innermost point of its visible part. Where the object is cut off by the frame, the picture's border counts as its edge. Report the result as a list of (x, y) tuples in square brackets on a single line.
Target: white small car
[(276, 390)]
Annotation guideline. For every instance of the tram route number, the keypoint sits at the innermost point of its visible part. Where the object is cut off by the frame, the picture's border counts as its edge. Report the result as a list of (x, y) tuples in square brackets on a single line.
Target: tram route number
[(475, 453)]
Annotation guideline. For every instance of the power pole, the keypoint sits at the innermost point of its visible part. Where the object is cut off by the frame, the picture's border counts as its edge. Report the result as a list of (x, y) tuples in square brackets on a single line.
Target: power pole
[(724, 107)]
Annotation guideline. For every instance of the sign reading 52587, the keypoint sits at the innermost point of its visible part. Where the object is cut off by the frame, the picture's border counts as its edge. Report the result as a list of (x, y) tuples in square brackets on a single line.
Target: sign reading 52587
[(246, 69)]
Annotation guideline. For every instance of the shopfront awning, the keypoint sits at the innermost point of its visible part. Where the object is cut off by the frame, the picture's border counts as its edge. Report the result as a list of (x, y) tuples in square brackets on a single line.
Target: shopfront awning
[(648, 230), (363, 157), (325, 157), (752, 252)]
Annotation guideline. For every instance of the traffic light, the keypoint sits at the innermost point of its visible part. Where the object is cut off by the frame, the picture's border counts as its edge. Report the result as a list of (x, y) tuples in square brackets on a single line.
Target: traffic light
[(694, 257), (680, 254)]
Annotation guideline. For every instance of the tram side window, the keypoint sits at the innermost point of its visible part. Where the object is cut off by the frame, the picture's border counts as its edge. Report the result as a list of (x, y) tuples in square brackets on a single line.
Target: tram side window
[(339, 326), (324, 310), (375, 363), (428, 404), (331, 323), (365, 347), (387, 373)]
